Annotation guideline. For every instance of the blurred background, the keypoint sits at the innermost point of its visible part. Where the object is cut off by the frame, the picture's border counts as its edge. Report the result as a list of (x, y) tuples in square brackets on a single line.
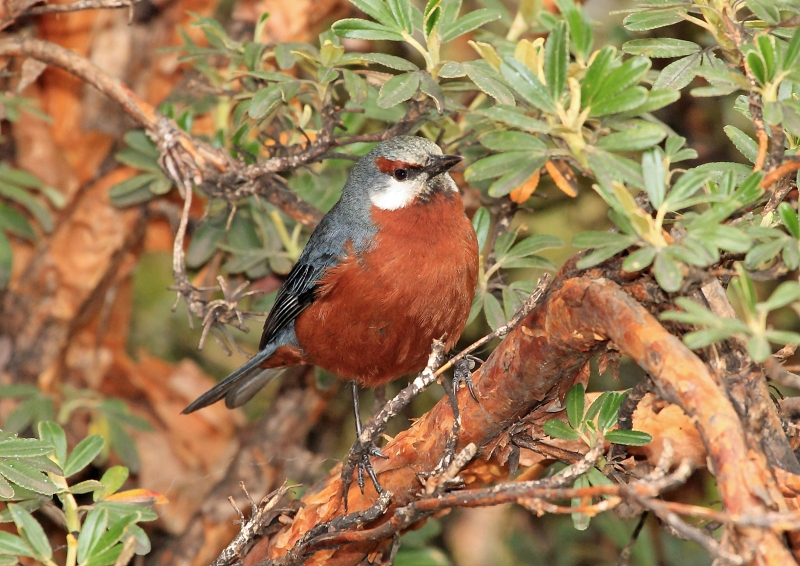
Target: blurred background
[(127, 342)]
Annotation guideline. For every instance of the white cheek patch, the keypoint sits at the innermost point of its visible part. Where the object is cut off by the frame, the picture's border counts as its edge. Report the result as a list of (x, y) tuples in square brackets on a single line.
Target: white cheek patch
[(397, 194)]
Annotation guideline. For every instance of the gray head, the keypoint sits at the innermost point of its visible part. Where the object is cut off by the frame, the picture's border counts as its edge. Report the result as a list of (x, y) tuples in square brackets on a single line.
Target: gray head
[(398, 171)]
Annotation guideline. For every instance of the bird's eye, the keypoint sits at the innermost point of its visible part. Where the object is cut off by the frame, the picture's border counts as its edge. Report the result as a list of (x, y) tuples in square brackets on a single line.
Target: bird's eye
[(401, 174)]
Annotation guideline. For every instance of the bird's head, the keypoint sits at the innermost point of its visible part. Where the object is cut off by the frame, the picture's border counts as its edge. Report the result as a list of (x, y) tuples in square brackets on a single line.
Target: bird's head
[(401, 170)]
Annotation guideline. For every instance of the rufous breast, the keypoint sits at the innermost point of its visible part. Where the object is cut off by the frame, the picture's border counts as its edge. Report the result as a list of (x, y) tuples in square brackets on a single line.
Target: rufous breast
[(378, 312)]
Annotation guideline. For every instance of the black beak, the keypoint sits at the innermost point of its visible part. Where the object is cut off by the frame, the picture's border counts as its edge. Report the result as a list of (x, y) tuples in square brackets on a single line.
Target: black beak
[(438, 164)]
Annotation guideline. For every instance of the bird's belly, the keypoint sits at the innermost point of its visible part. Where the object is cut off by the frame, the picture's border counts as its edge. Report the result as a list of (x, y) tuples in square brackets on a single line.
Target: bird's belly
[(376, 320)]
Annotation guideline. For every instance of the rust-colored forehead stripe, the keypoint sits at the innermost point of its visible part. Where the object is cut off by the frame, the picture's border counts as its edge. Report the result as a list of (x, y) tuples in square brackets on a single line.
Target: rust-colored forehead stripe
[(389, 166)]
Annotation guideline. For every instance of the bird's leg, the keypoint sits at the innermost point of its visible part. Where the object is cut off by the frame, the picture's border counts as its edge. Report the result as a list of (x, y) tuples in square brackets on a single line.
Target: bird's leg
[(362, 452), (463, 373), (452, 441)]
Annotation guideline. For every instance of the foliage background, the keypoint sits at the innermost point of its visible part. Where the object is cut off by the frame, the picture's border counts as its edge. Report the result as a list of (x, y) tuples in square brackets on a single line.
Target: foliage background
[(134, 349)]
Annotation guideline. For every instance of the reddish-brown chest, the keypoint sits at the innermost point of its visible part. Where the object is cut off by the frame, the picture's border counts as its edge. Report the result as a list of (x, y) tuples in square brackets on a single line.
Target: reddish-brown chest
[(378, 312)]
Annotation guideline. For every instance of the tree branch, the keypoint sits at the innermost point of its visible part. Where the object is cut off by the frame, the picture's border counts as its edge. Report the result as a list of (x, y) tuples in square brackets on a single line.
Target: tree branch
[(537, 360)]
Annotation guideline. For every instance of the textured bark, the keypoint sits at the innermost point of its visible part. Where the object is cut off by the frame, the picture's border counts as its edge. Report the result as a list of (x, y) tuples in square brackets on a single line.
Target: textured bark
[(536, 362)]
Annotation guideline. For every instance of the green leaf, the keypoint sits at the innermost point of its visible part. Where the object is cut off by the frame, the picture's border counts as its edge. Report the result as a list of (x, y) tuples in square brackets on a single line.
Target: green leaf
[(401, 11), (596, 74), (94, 525), (759, 349), (609, 411), (593, 239), (602, 254), (643, 21), (527, 85), (534, 244), (398, 89), (702, 338), (452, 70), (138, 160), (469, 22), (356, 28), (86, 486), (766, 10), (14, 546), (494, 312), (642, 136), (789, 218), (115, 533), (14, 222), (516, 117), (763, 252), (640, 259), (23, 448), (783, 337), (433, 12), (6, 490), (431, 88), (356, 86), (766, 46), (556, 59), (26, 476), (757, 66), (629, 74), (391, 61), (83, 454), (654, 176), (113, 479), (31, 532), (628, 437), (580, 28), (688, 184), (725, 237), (661, 47), (679, 73), (132, 191), (792, 51), (791, 255), (656, 99), (481, 222), (580, 521), (622, 102), (594, 408), (6, 260), (512, 141), (575, 405), (787, 292), (264, 101), (495, 165), (376, 9), (559, 429), (668, 273), (744, 143), (488, 84), (19, 178), (204, 243), (26, 199), (516, 175)]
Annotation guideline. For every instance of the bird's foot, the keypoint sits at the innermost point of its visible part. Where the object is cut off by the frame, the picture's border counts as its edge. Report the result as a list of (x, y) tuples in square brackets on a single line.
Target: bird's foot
[(359, 460), (359, 457), (462, 373)]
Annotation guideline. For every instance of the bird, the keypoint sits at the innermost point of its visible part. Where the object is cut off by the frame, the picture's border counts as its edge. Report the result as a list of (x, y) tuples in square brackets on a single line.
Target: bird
[(392, 266)]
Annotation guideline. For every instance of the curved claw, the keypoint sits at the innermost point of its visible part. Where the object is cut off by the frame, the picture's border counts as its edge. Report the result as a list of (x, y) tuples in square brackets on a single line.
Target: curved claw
[(359, 459), (463, 373)]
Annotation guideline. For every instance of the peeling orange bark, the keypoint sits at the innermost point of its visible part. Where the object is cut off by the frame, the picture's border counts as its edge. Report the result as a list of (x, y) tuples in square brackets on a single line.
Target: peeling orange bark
[(537, 361)]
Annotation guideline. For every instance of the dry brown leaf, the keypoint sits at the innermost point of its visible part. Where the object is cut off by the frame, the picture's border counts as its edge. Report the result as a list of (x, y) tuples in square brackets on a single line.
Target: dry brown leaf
[(668, 423), (563, 177), (522, 193)]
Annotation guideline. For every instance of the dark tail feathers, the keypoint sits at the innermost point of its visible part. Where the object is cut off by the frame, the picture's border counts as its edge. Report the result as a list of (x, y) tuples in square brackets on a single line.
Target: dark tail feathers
[(240, 386)]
